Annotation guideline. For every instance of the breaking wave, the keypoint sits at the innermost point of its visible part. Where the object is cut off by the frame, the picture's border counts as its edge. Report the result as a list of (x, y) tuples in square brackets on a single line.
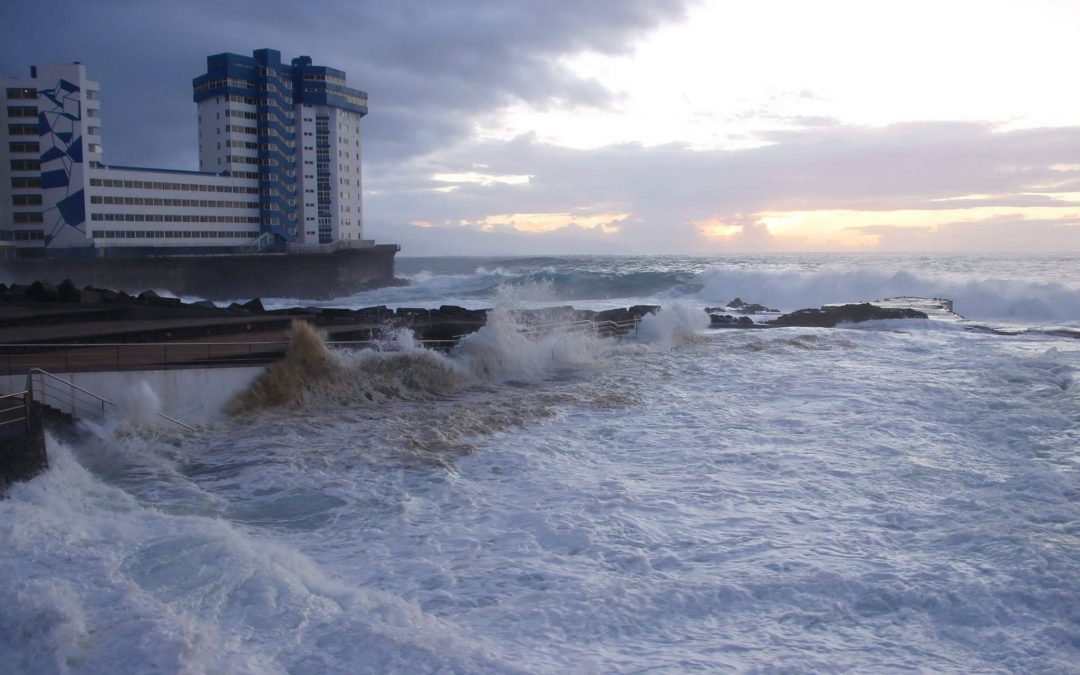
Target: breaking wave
[(1021, 289), (997, 299), (672, 326), (509, 347), (103, 584), (503, 349)]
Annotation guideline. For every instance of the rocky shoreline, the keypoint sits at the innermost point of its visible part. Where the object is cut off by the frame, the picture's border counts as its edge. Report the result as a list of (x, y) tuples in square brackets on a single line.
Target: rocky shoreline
[(42, 322), (119, 316), (828, 316), (25, 312)]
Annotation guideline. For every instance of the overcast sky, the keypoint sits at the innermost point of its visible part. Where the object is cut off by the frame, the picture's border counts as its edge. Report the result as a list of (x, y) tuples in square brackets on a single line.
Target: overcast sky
[(625, 126)]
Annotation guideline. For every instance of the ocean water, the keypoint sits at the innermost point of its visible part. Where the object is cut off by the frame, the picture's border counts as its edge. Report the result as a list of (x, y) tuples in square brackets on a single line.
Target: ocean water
[(891, 496)]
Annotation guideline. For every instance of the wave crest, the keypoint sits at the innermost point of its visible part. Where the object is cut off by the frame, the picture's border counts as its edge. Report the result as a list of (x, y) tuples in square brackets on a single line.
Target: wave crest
[(996, 299), (503, 349)]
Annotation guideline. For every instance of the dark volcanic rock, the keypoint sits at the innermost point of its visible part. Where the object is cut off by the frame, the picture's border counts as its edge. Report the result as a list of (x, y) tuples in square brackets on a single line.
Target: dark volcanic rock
[(153, 299), (91, 296), (412, 314), (462, 314), (625, 315), (728, 321), (619, 315), (68, 292), (739, 305), (829, 316), (42, 291), (376, 314)]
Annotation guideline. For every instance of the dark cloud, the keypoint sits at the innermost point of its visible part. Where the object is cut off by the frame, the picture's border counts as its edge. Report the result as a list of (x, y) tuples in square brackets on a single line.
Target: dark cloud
[(429, 67), (433, 69), (667, 188)]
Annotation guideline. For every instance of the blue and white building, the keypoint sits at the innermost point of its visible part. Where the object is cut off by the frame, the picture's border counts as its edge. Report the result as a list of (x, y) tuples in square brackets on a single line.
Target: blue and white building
[(279, 166)]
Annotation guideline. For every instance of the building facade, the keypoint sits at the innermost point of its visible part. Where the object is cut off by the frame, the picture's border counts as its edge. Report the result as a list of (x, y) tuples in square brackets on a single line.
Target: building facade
[(279, 156)]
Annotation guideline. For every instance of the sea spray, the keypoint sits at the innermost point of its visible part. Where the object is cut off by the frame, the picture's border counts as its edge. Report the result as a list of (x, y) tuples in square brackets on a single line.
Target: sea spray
[(514, 345), (306, 361), (310, 374), (674, 325), (981, 298), (96, 581), (504, 348), (731, 509)]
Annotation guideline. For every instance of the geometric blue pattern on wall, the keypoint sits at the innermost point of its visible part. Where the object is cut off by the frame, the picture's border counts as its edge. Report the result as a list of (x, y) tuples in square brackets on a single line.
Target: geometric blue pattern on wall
[(72, 208), (54, 179), (74, 150), (57, 127), (52, 153)]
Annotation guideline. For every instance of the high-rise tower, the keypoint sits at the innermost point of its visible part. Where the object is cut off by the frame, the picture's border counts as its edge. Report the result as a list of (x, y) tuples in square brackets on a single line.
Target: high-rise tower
[(294, 128)]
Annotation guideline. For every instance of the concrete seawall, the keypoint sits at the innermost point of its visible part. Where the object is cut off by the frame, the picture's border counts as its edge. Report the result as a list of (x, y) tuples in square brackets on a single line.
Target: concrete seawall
[(191, 395), (225, 277), (22, 448)]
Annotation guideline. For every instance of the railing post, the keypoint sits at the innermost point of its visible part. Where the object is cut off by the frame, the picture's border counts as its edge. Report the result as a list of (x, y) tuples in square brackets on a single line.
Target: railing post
[(118, 357), (28, 400)]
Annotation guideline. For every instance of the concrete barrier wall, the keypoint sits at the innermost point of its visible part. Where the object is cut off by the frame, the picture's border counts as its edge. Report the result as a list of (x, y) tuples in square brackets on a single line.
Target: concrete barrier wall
[(301, 275), (190, 395)]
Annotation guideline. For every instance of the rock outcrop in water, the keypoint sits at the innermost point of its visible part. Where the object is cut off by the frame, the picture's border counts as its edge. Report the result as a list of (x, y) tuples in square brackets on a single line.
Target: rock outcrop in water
[(728, 321), (750, 307), (831, 315), (828, 316)]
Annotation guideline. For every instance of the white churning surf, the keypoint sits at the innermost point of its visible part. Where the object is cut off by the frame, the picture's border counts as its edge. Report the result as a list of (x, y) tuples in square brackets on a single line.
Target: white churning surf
[(901, 496)]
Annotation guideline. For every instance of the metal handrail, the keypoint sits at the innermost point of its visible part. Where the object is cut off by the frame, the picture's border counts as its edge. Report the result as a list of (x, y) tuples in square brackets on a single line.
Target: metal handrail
[(21, 406), (74, 387), (584, 323), (69, 345), (285, 341)]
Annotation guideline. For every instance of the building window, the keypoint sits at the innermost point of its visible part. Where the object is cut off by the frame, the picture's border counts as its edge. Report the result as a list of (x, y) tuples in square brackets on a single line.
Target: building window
[(22, 130), (25, 182), (27, 217), (22, 111), (23, 93), (24, 146), (25, 165), (26, 200)]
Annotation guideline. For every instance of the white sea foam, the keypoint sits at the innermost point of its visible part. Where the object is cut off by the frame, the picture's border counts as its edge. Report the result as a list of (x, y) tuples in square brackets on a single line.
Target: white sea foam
[(975, 298), (896, 498), (674, 325), (146, 592), (505, 348)]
